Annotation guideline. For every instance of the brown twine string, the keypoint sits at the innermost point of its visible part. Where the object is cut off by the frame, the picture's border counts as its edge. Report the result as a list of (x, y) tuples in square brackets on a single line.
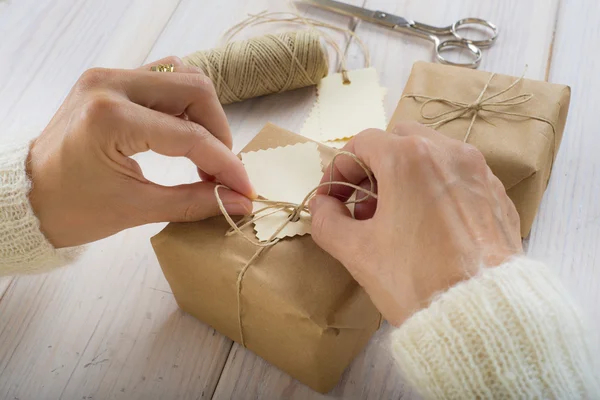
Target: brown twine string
[(263, 65), (295, 18), (294, 215), (271, 63), (480, 104)]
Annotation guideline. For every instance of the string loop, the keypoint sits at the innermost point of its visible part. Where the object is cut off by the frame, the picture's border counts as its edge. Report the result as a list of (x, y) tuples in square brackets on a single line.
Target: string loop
[(294, 210), (292, 17), (459, 109)]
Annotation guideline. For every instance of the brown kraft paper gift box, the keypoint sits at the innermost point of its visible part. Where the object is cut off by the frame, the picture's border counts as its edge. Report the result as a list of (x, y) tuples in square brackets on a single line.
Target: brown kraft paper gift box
[(519, 150), (301, 310)]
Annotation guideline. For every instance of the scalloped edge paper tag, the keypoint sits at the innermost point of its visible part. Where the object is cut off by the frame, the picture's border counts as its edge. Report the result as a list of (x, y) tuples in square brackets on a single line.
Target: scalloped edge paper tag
[(343, 110), (285, 174)]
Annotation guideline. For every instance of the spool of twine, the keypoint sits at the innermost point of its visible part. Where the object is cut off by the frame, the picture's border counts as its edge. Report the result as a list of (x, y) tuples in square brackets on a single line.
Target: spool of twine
[(263, 65)]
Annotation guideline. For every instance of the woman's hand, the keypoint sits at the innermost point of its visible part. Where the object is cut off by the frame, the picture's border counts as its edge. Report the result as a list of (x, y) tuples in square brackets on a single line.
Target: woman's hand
[(440, 216), (85, 186)]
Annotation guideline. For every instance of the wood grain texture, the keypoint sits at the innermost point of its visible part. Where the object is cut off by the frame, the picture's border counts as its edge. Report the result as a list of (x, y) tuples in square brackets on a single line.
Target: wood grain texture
[(106, 327), (5, 283), (566, 234), (47, 44)]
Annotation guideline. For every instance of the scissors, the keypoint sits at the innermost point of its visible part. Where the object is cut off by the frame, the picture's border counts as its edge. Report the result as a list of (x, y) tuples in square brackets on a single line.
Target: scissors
[(429, 32)]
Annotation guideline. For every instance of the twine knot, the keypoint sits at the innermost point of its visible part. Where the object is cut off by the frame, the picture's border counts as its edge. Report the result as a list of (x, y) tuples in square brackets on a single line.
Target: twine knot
[(294, 211), (489, 104), (295, 215), (474, 106)]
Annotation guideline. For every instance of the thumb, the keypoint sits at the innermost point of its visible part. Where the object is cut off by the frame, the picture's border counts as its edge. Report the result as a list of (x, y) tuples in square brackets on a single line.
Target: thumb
[(333, 228), (192, 202)]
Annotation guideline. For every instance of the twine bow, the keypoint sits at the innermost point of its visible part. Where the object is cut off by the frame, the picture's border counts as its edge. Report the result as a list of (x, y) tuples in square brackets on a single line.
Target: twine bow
[(294, 211), (487, 104)]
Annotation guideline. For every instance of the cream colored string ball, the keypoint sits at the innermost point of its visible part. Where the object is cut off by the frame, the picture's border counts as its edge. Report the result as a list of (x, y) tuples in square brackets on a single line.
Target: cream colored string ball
[(263, 65)]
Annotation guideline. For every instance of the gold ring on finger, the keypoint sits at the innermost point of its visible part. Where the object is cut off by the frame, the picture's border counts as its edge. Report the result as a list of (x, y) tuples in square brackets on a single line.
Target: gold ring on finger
[(163, 68)]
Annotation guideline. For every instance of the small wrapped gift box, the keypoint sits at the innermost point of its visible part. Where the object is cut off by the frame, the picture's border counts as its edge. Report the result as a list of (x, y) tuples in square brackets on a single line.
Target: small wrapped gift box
[(298, 307), (516, 123)]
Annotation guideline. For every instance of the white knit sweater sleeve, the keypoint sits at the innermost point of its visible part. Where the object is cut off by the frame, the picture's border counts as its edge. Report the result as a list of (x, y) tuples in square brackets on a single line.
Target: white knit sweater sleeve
[(511, 332), (23, 247)]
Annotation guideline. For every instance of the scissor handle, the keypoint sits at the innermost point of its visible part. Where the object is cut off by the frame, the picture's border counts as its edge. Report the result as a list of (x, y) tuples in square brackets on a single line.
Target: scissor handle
[(474, 51), (475, 21)]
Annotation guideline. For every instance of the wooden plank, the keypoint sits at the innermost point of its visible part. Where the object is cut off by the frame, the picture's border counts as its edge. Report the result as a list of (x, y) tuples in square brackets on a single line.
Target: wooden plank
[(373, 374), (106, 327), (47, 44), (5, 283), (567, 230)]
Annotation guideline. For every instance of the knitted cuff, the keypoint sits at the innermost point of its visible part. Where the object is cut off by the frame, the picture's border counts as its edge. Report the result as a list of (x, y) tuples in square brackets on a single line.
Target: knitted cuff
[(510, 332), (23, 247)]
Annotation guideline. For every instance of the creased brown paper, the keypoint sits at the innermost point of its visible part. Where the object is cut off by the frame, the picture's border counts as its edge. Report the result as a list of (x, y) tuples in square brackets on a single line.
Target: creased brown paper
[(301, 310), (519, 150)]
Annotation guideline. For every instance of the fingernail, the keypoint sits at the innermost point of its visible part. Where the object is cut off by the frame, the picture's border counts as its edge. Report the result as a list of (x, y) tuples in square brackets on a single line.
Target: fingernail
[(253, 195), (239, 207), (246, 185)]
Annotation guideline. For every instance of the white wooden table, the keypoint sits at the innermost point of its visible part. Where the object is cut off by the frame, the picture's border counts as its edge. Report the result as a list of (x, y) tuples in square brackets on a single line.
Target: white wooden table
[(108, 326)]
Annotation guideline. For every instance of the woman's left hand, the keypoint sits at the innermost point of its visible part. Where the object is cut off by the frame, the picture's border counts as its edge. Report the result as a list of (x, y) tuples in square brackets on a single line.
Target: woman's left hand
[(86, 187)]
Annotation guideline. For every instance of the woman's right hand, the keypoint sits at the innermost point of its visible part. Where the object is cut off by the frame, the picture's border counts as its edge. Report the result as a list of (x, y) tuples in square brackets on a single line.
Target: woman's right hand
[(86, 186), (440, 216)]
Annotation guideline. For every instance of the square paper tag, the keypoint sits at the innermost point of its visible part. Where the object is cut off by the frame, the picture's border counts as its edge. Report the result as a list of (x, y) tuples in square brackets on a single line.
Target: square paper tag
[(343, 110), (283, 174)]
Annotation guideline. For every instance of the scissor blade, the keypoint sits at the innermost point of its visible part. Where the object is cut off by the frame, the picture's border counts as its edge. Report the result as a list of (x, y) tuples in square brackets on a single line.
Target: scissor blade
[(376, 17), (343, 8)]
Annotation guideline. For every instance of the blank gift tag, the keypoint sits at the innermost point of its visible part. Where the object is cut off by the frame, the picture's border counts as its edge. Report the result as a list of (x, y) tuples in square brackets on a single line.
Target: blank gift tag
[(343, 110), (284, 174)]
